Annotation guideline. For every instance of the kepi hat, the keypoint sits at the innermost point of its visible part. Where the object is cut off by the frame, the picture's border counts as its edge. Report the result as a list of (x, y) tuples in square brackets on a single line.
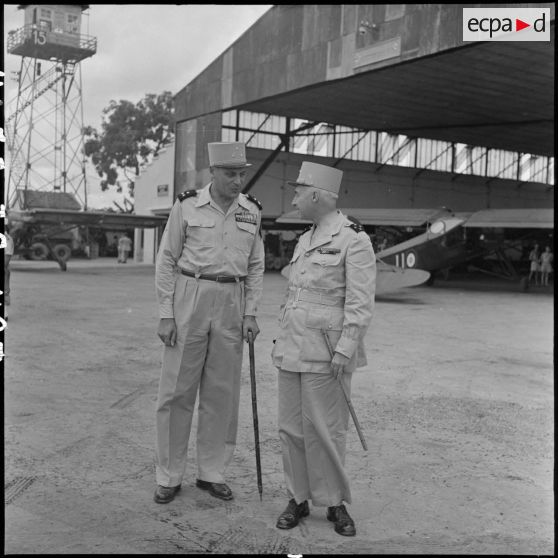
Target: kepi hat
[(318, 176), (227, 154)]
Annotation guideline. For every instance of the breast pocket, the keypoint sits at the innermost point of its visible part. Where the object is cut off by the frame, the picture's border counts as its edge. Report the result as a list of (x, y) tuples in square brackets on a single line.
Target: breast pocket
[(201, 232), (327, 260), (328, 270), (245, 233)]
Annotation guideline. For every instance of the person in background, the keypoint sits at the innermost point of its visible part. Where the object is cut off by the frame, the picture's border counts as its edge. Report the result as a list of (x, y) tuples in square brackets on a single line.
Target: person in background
[(209, 277), (534, 258), (124, 247), (546, 265), (331, 291), (8, 253), (383, 244)]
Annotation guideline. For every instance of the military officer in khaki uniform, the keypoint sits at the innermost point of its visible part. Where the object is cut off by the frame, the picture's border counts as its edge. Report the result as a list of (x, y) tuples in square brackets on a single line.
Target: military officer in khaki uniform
[(331, 287), (209, 276)]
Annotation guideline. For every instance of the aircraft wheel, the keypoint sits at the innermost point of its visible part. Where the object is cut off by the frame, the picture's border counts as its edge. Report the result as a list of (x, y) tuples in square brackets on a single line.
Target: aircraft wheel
[(62, 252), (430, 280), (524, 284), (38, 251)]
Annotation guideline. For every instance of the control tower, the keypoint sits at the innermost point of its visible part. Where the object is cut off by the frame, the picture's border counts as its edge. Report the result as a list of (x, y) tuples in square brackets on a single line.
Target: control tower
[(44, 123)]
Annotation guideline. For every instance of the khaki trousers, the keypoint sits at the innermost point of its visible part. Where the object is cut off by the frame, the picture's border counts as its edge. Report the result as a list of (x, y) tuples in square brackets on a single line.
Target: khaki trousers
[(206, 357), (122, 254), (313, 422)]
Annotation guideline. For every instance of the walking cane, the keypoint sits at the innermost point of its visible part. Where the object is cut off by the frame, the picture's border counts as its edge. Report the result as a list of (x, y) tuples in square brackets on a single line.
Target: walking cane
[(347, 399), (255, 409)]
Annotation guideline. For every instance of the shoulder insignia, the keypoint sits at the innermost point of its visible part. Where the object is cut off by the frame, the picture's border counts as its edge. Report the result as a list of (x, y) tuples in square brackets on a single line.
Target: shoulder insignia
[(187, 194), (254, 200), (356, 228)]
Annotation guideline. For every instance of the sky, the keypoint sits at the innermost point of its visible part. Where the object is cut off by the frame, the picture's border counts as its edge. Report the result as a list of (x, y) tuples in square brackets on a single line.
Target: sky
[(142, 48)]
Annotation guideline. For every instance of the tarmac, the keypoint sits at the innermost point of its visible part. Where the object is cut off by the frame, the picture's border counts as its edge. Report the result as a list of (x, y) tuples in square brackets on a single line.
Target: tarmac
[(456, 405)]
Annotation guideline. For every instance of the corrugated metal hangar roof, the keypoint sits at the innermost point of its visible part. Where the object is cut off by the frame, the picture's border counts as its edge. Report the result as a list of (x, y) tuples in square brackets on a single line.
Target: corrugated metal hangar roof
[(498, 94)]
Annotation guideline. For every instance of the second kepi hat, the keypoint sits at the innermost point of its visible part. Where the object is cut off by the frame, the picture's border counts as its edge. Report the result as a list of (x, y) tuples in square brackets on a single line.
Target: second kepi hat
[(318, 176), (227, 154)]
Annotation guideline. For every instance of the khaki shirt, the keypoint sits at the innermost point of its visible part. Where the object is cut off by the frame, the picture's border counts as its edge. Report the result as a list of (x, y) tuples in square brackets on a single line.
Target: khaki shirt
[(201, 238), (124, 243), (332, 284)]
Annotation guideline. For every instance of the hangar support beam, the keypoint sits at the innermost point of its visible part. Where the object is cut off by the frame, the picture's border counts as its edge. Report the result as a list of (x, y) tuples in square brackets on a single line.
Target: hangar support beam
[(271, 157)]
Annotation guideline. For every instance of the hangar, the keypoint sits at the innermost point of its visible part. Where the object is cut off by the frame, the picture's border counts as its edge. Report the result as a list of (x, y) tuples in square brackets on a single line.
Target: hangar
[(416, 118)]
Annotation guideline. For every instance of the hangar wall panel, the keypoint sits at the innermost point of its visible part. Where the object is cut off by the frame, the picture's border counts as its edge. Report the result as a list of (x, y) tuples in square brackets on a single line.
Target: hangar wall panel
[(227, 81), (209, 130), (293, 46), (321, 23), (185, 157)]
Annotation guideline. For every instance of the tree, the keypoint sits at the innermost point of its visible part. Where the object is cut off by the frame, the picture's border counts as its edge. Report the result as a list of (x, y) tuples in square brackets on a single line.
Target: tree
[(132, 134)]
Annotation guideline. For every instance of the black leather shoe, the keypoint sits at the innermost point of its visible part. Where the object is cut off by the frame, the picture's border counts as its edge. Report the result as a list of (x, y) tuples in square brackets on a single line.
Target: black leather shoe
[(344, 525), (219, 490), (292, 514), (165, 494)]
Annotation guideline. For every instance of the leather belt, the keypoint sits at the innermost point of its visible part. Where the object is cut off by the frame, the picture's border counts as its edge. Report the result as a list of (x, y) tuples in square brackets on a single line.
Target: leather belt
[(211, 277), (303, 295)]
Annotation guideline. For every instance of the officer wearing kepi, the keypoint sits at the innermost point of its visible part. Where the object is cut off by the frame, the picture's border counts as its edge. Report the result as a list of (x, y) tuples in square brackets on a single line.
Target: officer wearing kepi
[(331, 292), (209, 276)]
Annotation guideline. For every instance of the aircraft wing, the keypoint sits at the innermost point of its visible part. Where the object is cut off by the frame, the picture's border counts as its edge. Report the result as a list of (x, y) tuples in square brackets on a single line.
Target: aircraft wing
[(102, 219), (390, 278), (529, 218), (398, 217)]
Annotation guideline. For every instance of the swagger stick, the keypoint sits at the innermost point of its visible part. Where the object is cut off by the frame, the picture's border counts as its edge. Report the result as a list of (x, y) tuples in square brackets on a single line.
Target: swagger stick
[(347, 399), (255, 409)]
